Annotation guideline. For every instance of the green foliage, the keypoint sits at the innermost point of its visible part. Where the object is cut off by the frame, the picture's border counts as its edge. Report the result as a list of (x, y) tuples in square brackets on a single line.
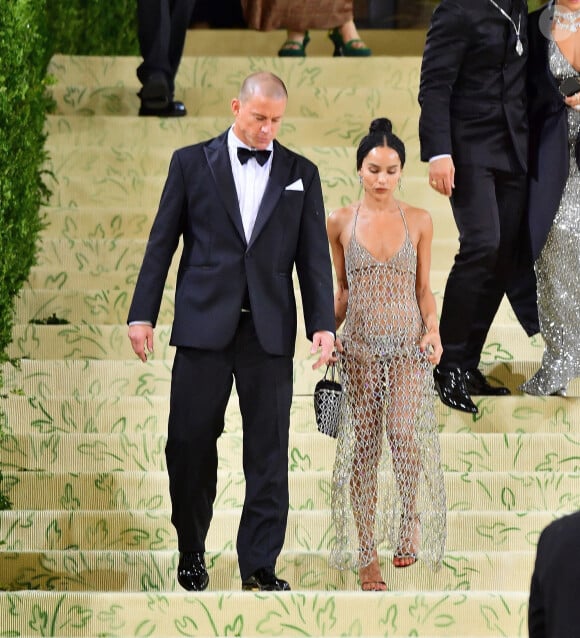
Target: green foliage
[(24, 53), (93, 27)]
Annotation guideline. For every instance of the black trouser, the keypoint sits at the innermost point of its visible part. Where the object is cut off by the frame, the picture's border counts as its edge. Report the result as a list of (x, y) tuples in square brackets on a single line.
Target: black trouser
[(200, 389), (162, 27), (488, 207)]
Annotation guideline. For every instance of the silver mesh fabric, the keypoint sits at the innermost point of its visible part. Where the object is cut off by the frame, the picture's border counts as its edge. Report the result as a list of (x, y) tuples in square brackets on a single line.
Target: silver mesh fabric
[(558, 270), (387, 485)]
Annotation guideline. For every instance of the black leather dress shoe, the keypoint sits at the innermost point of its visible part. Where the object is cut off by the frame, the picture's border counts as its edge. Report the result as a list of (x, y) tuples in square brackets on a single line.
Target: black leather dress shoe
[(191, 571), (477, 384), (264, 580), (450, 386), (170, 108)]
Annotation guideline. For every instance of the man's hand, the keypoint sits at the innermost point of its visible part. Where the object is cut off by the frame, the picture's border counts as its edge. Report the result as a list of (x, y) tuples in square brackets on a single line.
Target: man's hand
[(442, 175), (141, 336), (325, 342)]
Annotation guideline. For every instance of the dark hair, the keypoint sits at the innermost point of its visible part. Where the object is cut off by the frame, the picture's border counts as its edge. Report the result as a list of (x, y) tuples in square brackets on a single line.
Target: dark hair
[(380, 134)]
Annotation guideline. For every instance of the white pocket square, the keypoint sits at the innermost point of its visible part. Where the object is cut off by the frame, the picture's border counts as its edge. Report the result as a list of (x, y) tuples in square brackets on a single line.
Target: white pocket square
[(295, 186)]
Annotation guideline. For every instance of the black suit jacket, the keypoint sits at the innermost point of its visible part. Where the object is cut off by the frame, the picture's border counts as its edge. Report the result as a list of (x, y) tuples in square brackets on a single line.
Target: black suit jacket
[(472, 86), (554, 611), (549, 157), (199, 206)]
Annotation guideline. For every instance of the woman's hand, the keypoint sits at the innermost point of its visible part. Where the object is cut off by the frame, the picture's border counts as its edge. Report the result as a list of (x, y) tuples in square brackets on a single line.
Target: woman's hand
[(431, 344)]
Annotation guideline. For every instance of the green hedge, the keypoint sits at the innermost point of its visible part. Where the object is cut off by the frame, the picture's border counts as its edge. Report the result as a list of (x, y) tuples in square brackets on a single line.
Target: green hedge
[(25, 53)]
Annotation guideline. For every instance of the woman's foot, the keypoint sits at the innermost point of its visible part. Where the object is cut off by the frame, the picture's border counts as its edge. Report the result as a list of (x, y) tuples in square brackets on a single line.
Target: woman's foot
[(295, 45), (409, 541), (370, 576), (347, 41)]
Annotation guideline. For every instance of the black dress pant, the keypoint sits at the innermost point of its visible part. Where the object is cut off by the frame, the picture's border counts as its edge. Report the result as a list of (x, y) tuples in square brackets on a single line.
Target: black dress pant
[(488, 207), (162, 27), (200, 390)]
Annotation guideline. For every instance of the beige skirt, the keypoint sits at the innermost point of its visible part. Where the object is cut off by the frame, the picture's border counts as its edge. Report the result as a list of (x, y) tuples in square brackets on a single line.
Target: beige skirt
[(296, 15)]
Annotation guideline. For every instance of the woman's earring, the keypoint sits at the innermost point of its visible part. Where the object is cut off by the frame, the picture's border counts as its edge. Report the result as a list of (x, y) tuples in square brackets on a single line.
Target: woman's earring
[(360, 179), (400, 184)]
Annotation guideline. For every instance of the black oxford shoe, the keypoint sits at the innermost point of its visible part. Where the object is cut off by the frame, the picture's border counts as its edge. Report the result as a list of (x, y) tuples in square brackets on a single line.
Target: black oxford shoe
[(191, 571), (264, 580), (171, 108), (450, 386), (477, 384)]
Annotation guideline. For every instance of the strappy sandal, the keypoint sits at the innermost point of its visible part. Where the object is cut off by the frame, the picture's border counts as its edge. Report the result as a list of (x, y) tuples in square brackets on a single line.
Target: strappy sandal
[(406, 553), (354, 48), (373, 570), (294, 48)]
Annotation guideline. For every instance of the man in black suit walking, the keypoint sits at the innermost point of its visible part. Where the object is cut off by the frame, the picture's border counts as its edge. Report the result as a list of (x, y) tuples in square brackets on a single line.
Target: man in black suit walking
[(247, 211), (162, 27), (553, 610), (473, 133)]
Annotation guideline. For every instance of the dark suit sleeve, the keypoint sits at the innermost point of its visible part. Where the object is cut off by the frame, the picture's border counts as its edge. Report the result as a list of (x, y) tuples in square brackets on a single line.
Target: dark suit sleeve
[(313, 264), (445, 48), (161, 246), (536, 611)]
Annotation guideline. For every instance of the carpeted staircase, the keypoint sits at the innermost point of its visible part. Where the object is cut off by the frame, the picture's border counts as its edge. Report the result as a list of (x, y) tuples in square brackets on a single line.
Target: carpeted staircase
[(88, 549)]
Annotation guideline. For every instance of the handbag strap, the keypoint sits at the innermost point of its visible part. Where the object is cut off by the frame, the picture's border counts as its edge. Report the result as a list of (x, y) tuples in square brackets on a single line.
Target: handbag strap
[(332, 371)]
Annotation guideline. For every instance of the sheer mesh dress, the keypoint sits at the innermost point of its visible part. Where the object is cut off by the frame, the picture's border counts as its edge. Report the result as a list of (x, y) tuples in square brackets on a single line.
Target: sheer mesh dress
[(387, 482)]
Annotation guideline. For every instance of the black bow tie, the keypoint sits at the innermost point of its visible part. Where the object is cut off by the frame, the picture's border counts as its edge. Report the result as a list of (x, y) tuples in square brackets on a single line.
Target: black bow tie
[(244, 155)]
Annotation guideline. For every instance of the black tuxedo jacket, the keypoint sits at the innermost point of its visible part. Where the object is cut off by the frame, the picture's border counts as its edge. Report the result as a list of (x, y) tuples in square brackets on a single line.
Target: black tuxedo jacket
[(199, 206), (472, 86), (549, 157), (553, 607)]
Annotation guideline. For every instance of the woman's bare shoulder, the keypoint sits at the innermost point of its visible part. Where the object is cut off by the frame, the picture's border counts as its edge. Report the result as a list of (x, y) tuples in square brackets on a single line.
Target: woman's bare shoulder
[(339, 217)]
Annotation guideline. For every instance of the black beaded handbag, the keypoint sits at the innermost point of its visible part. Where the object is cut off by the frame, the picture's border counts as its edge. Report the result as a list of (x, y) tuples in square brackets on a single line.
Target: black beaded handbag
[(328, 398)]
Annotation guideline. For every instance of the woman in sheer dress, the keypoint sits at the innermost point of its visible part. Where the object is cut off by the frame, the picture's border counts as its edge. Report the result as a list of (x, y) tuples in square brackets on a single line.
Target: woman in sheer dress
[(554, 184), (387, 479)]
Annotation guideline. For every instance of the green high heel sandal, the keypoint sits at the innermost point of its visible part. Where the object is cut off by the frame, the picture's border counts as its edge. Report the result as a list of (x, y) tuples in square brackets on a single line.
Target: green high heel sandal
[(294, 48), (347, 49)]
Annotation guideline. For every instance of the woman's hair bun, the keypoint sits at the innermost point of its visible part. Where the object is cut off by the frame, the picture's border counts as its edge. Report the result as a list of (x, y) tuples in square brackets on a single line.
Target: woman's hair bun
[(381, 125)]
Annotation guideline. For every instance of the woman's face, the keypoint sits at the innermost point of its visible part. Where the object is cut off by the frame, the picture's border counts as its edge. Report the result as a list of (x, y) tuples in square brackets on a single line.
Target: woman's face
[(571, 5), (380, 171)]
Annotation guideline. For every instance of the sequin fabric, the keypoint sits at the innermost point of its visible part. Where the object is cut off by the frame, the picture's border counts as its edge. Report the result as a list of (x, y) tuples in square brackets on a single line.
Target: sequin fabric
[(558, 271), (387, 484)]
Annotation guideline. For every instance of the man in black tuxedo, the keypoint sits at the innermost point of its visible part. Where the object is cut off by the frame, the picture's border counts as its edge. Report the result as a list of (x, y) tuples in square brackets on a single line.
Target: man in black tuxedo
[(162, 27), (247, 211), (473, 133), (553, 610)]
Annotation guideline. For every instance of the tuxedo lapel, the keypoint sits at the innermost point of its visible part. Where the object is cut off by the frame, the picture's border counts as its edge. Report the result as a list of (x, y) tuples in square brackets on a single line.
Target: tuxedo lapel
[(282, 164), (218, 160)]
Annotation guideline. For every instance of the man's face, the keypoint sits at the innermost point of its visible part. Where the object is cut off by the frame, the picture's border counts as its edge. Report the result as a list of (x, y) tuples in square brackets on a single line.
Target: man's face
[(258, 119)]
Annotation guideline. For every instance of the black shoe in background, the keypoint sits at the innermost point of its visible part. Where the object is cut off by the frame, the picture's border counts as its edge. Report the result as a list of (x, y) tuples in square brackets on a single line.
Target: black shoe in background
[(264, 579), (477, 384)]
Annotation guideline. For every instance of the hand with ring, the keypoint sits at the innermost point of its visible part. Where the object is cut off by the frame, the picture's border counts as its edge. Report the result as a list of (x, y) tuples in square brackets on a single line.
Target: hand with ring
[(442, 174)]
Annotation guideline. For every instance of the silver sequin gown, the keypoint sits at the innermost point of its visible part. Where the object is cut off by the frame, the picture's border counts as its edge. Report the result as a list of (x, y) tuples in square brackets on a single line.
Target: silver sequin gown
[(558, 271), (387, 484)]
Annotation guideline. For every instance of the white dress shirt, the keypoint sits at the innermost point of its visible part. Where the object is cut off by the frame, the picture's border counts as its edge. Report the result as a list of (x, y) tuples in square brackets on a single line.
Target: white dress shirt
[(250, 179)]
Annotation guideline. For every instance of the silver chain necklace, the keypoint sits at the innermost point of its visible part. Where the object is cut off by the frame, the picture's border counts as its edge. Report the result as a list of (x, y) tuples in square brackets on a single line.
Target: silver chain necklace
[(519, 45)]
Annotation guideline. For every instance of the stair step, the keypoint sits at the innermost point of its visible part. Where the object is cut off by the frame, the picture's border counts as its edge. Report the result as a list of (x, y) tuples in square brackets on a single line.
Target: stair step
[(172, 133), (339, 187), (44, 412), (108, 158), (468, 614), (505, 342), (150, 528), (154, 571), (227, 73), (469, 452)]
